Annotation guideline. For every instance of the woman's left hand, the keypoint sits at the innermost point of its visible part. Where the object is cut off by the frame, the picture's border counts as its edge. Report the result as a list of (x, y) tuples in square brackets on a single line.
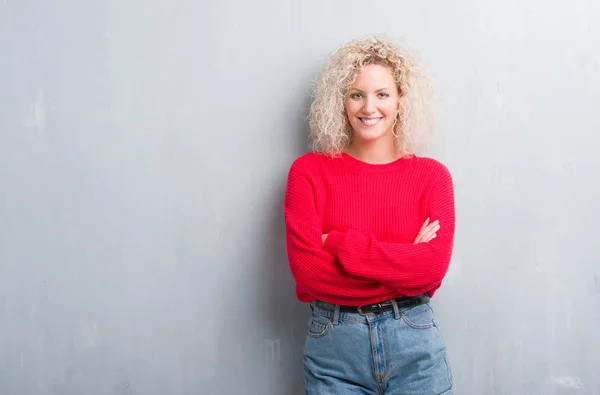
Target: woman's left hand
[(323, 238)]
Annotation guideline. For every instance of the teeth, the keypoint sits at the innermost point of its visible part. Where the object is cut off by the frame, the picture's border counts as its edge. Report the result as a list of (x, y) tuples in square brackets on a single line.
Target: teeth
[(370, 122)]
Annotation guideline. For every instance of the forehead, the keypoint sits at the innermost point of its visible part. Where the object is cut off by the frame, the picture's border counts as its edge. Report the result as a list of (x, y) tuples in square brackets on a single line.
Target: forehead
[(373, 74)]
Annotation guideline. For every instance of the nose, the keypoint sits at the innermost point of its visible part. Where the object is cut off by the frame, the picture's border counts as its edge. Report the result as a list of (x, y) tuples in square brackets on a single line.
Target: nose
[(369, 107)]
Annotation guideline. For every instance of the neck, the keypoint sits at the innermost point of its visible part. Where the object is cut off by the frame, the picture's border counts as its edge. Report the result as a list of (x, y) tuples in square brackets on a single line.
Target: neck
[(379, 151)]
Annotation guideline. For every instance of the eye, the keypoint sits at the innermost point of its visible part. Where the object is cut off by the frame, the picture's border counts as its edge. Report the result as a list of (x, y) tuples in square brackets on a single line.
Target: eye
[(355, 95), (383, 95)]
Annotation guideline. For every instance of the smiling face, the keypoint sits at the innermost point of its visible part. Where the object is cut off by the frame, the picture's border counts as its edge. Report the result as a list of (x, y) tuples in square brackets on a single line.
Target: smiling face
[(372, 104)]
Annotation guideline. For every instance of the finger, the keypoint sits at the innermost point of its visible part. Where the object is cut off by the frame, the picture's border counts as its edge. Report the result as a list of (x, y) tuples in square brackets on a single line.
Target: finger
[(424, 225), (431, 225), (429, 238), (427, 230), (323, 238), (432, 228), (418, 239), (430, 232)]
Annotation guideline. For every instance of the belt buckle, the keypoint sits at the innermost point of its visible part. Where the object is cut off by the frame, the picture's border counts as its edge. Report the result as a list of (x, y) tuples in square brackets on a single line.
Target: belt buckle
[(378, 307)]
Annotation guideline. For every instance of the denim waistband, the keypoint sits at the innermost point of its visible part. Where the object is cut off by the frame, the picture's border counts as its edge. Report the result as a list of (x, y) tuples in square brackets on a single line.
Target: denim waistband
[(335, 314)]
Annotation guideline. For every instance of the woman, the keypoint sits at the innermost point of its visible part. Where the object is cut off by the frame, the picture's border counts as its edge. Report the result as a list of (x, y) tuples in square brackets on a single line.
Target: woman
[(370, 228)]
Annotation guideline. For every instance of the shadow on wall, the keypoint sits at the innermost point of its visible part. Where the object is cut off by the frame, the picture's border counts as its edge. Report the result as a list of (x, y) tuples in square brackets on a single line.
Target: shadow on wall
[(286, 316)]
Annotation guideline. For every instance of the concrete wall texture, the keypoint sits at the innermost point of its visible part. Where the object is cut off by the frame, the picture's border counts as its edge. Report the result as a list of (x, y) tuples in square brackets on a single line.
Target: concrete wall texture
[(144, 147)]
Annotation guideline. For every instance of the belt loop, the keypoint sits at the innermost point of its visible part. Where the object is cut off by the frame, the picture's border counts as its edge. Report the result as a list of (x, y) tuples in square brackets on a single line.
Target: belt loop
[(336, 314), (396, 309)]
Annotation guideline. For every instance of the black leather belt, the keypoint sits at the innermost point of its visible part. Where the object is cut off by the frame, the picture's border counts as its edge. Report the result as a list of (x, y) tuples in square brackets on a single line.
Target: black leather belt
[(406, 301)]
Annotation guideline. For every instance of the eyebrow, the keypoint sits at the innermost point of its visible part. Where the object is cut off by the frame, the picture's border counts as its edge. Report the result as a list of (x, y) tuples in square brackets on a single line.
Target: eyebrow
[(378, 90)]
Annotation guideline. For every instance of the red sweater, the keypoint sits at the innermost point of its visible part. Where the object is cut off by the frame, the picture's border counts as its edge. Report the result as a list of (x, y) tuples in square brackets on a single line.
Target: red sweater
[(372, 214)]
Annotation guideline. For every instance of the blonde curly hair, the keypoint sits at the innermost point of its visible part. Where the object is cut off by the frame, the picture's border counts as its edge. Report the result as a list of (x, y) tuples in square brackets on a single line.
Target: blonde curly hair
[(329, 129)]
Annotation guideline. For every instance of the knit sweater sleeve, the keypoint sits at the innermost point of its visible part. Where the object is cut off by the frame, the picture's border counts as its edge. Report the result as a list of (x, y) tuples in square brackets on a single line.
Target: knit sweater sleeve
[(316, 271), (409, 268)]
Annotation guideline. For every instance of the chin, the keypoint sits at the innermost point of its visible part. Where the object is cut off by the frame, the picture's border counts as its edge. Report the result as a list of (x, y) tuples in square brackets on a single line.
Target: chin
[(369, 136)]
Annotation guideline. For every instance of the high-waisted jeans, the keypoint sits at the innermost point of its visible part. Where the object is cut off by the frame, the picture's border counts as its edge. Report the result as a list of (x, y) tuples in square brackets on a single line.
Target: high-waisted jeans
[(396, 352)]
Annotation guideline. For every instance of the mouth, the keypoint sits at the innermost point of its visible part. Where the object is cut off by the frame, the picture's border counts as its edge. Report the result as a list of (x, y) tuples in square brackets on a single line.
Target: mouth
[(370, 121)]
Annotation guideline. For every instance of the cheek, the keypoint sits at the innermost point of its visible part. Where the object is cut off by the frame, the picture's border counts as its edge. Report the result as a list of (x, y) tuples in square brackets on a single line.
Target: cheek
[(350, 109), (391, 109)]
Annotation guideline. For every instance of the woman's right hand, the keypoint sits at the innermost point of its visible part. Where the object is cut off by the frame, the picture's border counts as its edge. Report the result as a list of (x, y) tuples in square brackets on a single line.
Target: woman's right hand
[(427, 232)]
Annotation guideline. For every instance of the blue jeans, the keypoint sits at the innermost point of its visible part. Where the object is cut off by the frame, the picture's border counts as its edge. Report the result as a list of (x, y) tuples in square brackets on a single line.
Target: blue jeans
[(396, 352)]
